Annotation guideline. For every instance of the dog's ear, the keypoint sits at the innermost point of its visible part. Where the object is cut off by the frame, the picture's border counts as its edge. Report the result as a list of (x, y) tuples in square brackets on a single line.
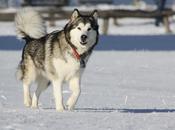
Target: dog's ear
[(75, 14), (95, 14)]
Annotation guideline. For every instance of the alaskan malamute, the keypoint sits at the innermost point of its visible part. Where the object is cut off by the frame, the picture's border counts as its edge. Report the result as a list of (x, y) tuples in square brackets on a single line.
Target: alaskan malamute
[(55, 57)]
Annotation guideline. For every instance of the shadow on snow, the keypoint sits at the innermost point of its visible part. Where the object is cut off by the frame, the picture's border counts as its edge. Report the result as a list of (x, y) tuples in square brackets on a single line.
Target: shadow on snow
[(124, 110), (108, 110), (146, 110), (123, 43)]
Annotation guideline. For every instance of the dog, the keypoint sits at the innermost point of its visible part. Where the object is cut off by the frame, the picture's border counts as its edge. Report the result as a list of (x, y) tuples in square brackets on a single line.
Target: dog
[(55, 58)]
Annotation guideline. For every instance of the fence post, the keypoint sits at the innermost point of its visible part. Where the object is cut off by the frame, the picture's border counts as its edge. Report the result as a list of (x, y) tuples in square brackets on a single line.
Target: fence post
[(115, 21), (52, 20), (105, 26), (166, 24)]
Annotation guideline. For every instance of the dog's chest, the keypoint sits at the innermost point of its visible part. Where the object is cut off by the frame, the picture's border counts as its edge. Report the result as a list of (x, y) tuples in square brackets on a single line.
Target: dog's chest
[(68, 68)]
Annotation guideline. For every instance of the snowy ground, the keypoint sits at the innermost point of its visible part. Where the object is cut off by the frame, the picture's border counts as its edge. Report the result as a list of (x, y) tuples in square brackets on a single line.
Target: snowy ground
[(128, 84), (124, 90), (127, 26)]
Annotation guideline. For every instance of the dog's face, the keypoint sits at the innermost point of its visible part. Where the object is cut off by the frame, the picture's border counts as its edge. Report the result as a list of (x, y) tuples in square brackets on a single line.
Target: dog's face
[(83, 30)]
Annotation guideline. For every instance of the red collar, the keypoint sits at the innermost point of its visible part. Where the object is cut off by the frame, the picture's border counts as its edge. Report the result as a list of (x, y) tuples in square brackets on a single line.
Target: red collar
[(76, 54)]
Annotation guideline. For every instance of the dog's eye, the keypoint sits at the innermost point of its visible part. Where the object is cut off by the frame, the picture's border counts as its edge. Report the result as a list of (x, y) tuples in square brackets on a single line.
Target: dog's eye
[(89, 29), (79, 28)]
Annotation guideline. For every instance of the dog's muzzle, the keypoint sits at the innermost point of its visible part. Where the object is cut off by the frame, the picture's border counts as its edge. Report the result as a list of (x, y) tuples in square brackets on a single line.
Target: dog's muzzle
[(83, 39)]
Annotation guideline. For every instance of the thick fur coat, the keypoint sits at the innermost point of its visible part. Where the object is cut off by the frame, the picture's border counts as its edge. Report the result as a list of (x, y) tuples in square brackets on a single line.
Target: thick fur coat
[(54, 58)]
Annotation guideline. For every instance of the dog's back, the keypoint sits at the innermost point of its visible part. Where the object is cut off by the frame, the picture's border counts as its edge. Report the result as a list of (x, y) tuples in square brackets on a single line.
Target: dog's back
[(54, 57)]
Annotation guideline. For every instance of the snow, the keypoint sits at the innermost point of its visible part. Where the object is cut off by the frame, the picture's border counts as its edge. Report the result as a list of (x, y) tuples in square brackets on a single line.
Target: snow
[(128, 83), (124, 90), (127, 26), (143, 6)]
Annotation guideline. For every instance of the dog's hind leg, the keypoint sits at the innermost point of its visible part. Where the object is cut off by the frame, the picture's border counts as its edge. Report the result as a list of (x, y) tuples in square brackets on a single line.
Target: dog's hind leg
[(27, 81), (28, 76), (74, 85), (42, 85), (27, 96)]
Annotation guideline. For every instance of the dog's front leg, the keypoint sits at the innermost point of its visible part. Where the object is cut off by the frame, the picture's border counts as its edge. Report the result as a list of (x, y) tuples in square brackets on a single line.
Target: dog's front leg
[(57, 91), (74, 85)]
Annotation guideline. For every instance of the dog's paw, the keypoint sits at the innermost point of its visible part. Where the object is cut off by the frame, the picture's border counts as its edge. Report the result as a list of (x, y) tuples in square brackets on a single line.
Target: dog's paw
[(34, 106), (60, 109), (28, 103), (70, 108)]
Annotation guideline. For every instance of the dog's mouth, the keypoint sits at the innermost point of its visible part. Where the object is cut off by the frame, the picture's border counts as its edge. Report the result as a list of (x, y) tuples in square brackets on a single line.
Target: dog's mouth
[(83, 43)]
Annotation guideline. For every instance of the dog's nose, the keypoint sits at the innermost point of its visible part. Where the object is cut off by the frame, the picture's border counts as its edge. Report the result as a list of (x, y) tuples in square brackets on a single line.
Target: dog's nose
[(83, 38)]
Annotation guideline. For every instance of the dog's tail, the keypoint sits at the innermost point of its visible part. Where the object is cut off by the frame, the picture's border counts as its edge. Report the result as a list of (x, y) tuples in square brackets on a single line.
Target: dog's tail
[(29, 24)]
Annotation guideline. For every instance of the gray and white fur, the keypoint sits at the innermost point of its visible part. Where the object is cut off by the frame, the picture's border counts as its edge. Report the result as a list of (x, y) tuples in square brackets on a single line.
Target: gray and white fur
[(54, 58)]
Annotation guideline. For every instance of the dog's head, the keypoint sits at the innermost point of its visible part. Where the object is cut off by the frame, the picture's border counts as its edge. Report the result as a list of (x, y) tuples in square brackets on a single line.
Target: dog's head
[(82, 30)]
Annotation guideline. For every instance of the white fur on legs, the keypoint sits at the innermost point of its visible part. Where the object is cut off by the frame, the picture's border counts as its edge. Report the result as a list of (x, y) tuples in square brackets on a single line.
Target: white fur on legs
[(57, 92), (74, 85), (42, 85), (27, 97)]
